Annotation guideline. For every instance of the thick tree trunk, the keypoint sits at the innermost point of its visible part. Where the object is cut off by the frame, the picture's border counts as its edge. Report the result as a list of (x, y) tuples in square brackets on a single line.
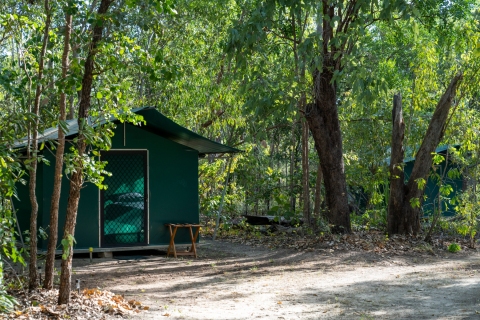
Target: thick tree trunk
[(325, 127), (57, 179), (76, 180), (423, 159), (32, 272), (396, 223), (408, 221)]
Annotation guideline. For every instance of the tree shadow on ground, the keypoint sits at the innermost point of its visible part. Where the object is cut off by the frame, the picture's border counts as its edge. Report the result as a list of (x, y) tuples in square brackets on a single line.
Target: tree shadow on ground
[(225, 275)]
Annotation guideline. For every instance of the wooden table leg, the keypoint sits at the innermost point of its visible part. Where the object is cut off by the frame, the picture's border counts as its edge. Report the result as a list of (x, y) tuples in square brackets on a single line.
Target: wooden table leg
[(193, 237), (171, 246)]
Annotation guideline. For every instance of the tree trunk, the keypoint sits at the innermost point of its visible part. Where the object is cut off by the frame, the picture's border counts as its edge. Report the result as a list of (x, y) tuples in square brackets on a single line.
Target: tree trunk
[(57, 180), (408, 222), (76, 180), (291, 187), (71, 101), (396, 224), (305, 174), (71, 109), (33, 274), (318, 193), (423, 159), (300, 62), (324, 124), (222, 199)]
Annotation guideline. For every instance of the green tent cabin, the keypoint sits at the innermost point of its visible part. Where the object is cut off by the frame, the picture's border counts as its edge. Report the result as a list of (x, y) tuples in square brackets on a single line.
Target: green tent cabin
[(154, 181)]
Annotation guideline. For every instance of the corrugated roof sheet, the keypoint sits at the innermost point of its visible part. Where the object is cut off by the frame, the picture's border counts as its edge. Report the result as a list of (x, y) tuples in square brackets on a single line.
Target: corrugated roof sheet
[(157, 123)]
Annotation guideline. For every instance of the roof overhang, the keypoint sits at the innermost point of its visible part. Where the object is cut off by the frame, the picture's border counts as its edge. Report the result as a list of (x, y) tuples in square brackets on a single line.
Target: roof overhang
[(156, 123)]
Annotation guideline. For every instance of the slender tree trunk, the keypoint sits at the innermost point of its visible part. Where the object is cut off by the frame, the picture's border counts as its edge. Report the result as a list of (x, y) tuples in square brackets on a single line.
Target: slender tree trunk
[(473, 214), (437, 213), (291, 187), (318, 193), (397, 177), (71, 107), (33, 274), (71, 100), (324, 124), (296, 13), (222, 199), (57, 180), (409, 219), (76, 180), (305, 174)]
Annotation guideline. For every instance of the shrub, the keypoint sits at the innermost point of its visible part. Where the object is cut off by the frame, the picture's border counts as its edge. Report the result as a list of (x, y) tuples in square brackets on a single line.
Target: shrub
[(454, 247)]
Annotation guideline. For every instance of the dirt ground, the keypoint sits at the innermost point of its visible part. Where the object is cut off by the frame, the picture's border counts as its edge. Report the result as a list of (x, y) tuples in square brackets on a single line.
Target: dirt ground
[(235, 281)]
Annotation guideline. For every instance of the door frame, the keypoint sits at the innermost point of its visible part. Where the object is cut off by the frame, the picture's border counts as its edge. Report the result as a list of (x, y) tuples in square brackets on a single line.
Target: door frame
[(146, 198)]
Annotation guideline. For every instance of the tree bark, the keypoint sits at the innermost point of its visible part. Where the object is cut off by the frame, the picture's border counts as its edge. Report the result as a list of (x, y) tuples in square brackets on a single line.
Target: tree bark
[(423, 159), (305, 174), (324, 124), (57, 180), (408, 222), (291, 180), (76, 180), (32, 271), (318, 193), (395, 221)]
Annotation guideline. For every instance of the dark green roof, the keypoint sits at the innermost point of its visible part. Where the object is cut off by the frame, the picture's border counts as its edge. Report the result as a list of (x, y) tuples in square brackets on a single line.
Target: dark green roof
[(159, 124), (156, 123), (409, 158)]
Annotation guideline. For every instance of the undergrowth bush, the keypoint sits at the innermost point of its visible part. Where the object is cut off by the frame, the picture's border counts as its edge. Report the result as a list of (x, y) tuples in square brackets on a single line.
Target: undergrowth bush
[(454, 247), (371, 219), (468, 211)]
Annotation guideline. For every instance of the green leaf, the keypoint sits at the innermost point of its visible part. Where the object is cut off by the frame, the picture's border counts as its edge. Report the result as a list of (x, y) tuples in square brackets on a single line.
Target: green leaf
[(445, 190), (269, 171), (438, 158), (421, 183), (415, 202)]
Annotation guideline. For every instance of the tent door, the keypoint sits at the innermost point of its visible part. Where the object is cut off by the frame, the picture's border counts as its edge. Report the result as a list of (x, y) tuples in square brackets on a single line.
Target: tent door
[(124, 204)]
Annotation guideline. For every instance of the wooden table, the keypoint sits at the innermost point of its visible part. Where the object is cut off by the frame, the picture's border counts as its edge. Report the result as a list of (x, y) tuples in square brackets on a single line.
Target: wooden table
[(173, 227)]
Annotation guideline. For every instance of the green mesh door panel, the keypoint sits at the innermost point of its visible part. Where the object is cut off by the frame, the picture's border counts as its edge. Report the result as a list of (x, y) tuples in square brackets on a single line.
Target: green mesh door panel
[(124, 203)]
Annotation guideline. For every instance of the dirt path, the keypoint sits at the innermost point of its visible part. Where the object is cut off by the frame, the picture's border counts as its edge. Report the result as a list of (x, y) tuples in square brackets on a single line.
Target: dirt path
[(233, 281)]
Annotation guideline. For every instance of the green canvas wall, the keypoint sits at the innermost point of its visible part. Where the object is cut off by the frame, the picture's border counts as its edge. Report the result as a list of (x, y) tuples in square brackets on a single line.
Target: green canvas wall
[(432, 188)]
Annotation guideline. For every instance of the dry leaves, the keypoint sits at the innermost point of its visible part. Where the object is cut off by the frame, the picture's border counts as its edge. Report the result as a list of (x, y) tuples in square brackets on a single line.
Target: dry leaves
[(89, 304), (371, 241)]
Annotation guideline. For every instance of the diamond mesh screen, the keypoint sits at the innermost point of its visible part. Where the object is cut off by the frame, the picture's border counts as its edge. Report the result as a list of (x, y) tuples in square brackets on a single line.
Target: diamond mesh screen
[(124, 203)]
